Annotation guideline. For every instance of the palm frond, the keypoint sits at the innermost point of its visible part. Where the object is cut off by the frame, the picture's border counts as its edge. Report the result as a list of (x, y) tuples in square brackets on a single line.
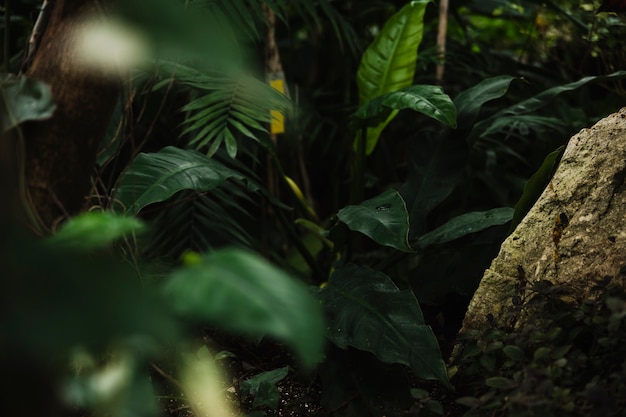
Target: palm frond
[(224, 106), (201, 222)]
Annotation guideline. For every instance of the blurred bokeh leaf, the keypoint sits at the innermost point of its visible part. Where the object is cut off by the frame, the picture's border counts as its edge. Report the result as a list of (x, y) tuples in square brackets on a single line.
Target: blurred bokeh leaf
[(94, 230), (24, 99), (241, 292)]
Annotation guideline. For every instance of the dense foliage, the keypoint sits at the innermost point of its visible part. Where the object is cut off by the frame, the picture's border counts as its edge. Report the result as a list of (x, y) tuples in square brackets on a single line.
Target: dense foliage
[(333, 260)]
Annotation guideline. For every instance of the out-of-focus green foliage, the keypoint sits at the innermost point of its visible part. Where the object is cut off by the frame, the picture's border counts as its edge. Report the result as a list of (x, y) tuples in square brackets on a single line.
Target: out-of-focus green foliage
[(189, 163)]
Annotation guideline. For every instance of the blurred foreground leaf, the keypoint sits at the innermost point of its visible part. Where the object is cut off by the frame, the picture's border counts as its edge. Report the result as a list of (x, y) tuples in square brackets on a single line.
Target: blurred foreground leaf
[(241, 292)]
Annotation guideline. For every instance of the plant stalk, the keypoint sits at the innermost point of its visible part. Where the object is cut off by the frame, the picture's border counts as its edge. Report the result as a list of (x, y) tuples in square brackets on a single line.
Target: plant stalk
[(358, 180)]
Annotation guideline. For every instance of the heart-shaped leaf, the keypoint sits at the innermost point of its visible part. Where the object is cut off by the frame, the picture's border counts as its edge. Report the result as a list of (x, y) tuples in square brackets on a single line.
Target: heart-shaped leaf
[(370, 313), (383, 218)]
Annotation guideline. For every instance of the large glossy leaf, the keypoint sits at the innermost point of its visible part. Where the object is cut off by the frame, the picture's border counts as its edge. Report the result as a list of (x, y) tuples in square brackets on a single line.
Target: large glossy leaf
[(465, 224), (383, 218), (427, 99), (469, 102), (535, 186), (241, 292), (24, 99), (389, 62), (370, 313), (94, 230), (155, 177), (436, 165)]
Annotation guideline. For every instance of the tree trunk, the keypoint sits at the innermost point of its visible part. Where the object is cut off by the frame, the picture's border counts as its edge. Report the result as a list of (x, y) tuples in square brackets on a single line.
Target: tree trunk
[(574, 237), (60, 152)]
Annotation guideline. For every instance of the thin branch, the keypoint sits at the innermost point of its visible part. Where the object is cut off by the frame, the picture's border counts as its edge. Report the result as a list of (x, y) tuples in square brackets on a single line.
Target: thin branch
[(441, 39)]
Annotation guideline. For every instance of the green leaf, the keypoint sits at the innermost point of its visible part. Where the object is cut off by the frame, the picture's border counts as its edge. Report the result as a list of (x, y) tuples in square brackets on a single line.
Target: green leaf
[(263, 387), (383, 218), (540, 100), (436, 165), (251, 385), (469, 102), (24, 99), (241, 292), (500, 383), (523, 123), (514, 352), (155, 177), (389, 62), (427, 99), (370, 313), (94, 230), (465, 224), (535, 186)]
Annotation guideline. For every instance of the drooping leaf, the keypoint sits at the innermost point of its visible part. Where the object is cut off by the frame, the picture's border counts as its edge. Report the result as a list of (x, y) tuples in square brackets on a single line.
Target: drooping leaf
[(383, 218), (370, 313), (535, 186), (94, 230), (241, 292), (469, 102), (427, 99), (465, 224), (540, 100), (24, 99), (436, 165), (389, 62), (524, 124), (155, 177)]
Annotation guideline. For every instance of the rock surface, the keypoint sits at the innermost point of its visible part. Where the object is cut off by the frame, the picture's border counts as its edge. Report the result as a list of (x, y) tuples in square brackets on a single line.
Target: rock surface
[(574, 235)]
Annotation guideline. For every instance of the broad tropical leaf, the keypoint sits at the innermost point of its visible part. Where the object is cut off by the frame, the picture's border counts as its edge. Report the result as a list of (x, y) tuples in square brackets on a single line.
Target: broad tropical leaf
[(436, 166), (383, 218), (241, 292), (469, 102), (94, 230), (427, 99), (465, 224), (389, 62), (24, 99), (155, 177), (370, 313)]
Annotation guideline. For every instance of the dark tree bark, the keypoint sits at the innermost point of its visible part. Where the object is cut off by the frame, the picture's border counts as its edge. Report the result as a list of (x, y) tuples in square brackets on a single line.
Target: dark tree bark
[(60, 153)]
